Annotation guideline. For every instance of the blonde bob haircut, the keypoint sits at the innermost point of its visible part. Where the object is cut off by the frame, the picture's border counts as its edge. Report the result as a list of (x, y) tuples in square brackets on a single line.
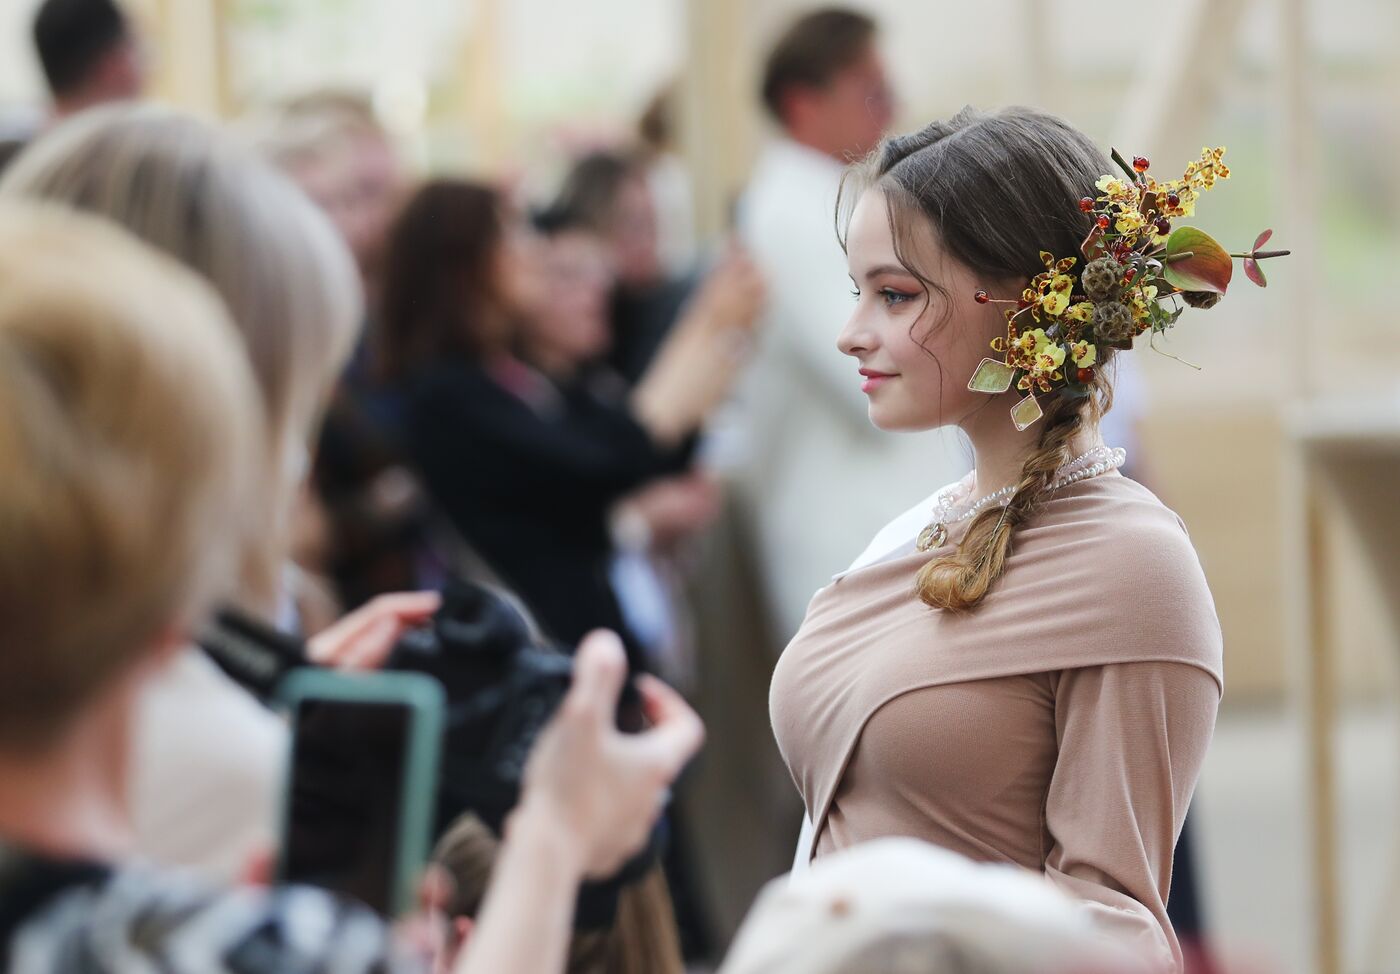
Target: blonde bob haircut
[(129, 433), (283, 272)]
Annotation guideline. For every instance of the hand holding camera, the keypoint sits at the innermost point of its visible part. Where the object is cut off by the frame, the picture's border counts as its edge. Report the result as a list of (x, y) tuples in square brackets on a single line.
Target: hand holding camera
[(596, 786)]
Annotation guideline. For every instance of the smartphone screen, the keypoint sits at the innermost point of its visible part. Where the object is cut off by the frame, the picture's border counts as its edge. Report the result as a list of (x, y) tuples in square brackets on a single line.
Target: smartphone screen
[(350, 799)]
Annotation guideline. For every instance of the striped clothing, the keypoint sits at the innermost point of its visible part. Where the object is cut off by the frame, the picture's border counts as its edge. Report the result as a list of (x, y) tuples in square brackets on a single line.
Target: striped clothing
[(82, 918)]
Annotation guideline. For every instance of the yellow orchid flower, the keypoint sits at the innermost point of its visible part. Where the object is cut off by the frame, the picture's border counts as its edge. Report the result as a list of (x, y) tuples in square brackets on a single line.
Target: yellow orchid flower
[(1082, 311), (1084, 354), (1034, 340), (1050, 358), (1130, 221)]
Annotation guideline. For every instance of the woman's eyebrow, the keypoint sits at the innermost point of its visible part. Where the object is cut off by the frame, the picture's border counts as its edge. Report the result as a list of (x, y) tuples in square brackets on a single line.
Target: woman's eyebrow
[(895, 269)]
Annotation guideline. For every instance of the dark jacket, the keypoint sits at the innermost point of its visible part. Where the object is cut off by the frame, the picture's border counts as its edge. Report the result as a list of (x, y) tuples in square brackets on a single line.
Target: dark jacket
[(528, 472)]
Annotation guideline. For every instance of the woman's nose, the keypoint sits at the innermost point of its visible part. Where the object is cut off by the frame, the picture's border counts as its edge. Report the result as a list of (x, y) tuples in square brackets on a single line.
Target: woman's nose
[(854, 338)]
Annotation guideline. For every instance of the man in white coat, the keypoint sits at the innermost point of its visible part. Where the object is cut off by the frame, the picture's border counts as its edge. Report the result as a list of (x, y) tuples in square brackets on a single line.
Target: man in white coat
[(818, 480)]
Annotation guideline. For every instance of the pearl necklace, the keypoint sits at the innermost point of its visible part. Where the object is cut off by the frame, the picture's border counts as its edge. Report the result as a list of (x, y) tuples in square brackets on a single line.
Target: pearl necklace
[(1100, 460)]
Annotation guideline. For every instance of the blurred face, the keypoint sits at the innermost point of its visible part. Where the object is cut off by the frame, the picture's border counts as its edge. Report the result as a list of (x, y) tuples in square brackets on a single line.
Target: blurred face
[(358, 187), (125, 72), (916, 349), (571, 327), (633, 234), (521, 260), (848, 116)]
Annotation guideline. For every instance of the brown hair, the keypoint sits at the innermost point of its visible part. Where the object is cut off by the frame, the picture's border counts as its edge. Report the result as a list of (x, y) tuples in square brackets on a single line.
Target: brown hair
[(440, 293), (643, 938), (591, 189), (812, 51), (997, 189), (129, 438)]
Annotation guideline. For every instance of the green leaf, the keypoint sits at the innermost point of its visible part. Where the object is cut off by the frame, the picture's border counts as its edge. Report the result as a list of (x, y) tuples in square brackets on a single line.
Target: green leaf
[(1207, 269)]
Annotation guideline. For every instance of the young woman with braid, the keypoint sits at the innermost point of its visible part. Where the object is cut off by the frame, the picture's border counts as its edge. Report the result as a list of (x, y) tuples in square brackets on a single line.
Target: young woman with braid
[(1026, 667)]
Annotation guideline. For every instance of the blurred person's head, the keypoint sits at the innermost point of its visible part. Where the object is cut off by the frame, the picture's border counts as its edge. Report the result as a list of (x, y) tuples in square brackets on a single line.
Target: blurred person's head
[(272, 256), (641, 940), (966, 204), (902, 906), (825, 84), (129, 438), (656, 126), (608, 193), (334, 148), (88, 52), (570, 328), (462, 268)]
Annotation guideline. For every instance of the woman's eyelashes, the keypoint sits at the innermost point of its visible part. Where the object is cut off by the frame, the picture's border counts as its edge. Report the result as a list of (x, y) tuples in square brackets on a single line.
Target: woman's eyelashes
[(888, 295)]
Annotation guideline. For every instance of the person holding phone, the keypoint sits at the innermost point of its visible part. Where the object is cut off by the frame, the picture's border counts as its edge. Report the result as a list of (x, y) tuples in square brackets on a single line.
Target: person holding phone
[(122, 516)]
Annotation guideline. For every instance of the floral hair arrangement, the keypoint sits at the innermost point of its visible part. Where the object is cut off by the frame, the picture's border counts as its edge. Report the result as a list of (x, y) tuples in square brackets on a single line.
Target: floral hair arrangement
[(1138, 274)]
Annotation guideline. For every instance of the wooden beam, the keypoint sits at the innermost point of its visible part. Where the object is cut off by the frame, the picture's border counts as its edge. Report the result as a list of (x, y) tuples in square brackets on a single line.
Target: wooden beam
[(190, 67), (479, 97), (718, 99)]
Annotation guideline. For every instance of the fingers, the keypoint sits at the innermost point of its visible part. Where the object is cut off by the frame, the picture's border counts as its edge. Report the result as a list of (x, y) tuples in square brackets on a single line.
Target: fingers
[(372, 647), (676, 732), (408, 607), (365, 638), (600, 667)]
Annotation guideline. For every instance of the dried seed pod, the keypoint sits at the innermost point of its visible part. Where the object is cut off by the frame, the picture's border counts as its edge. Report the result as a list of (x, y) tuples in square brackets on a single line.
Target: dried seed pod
[(1101, 279), (1113, 322)]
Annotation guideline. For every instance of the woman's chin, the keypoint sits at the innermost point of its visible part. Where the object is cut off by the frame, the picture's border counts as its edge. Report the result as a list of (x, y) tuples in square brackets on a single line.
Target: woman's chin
[(892, 421)]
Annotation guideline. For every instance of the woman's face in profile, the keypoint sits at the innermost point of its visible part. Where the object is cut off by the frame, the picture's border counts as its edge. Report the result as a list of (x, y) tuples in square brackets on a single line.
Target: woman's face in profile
[(917, 347)]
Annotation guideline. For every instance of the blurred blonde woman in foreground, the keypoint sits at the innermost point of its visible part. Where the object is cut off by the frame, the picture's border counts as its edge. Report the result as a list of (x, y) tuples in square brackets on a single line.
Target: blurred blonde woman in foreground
[(129, 438), (209, 757)]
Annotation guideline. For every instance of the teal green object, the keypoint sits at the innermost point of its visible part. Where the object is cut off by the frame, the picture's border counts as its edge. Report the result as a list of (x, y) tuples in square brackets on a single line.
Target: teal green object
[(426, 702)]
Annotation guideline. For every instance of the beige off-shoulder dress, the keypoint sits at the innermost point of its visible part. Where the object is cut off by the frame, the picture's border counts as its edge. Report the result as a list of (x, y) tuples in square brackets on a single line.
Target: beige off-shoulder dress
[(1061, 725)]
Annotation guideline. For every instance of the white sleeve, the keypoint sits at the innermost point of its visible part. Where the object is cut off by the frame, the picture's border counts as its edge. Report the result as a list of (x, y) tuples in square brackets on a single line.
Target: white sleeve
[(802, 857)]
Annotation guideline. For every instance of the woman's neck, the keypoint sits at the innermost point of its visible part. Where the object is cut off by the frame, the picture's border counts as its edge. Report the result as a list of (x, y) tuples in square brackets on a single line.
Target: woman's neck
[(69, 799), (1001, 450)]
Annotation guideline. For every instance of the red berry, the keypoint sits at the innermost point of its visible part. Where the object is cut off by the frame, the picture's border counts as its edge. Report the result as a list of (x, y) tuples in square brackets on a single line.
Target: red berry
[(1173, 200), (981, 297), (1164, 226), (1085, 376), (1104, 222), (1086, 203), (1140, 163)]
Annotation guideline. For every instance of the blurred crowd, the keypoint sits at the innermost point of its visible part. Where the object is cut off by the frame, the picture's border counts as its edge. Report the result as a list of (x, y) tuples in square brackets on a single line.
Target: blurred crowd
[(361, 386)]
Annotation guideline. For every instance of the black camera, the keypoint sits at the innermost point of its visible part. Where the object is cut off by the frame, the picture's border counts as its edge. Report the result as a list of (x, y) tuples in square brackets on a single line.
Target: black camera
[(503, 683)]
